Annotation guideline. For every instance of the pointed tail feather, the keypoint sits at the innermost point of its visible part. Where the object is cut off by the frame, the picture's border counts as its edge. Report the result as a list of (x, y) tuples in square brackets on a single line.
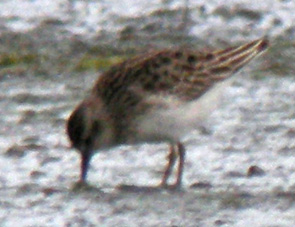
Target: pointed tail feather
[(226, 62)]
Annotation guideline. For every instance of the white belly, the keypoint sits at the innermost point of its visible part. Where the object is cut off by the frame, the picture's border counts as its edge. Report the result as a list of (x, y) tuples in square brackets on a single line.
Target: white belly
[(178, 119)]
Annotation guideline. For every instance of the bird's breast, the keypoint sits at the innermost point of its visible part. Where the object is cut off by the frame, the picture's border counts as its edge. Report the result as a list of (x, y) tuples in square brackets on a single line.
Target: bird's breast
[(176, 119)]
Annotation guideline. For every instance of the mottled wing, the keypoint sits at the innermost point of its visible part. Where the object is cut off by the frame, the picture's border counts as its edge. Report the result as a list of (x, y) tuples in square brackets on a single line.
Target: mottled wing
[(216, 66), (186, 74)]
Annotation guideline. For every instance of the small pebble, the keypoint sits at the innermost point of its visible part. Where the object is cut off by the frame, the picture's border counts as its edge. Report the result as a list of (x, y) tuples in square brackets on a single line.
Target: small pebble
[(17, 151), (138, 189), (201, 185), (36, 174), (49, 191), (254, 171), (219, 222), (234, 174)]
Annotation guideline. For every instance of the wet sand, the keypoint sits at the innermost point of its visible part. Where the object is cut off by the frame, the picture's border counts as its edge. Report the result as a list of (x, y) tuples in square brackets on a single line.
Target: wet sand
[(254, 126)]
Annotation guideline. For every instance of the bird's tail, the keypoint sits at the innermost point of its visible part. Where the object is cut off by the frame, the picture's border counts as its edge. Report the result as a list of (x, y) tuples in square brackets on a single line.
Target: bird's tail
[(224, 63)]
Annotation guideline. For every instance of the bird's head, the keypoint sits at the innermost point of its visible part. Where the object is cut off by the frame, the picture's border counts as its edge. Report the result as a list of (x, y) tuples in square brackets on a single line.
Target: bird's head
[(89, 128)]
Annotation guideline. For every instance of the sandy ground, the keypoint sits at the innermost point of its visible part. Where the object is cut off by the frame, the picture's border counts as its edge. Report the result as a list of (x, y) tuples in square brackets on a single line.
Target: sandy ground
[(255, 126)]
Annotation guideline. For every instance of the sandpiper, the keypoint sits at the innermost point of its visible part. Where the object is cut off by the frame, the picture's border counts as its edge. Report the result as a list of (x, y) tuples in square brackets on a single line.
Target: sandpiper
[(156, 97)]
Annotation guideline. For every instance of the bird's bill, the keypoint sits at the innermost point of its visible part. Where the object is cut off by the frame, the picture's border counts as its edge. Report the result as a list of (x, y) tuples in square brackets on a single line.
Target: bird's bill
[(85, 160)]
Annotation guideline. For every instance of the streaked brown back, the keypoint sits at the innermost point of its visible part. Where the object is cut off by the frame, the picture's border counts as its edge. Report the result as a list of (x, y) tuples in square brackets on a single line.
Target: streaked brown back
[(183, 73)]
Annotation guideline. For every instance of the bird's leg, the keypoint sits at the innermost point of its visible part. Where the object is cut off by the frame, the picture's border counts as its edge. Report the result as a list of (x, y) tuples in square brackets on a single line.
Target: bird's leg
[(181, 154), (171, 162)]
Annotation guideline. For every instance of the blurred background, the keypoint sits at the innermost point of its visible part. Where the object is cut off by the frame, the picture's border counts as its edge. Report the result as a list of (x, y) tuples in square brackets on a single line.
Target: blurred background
[(54, 37)]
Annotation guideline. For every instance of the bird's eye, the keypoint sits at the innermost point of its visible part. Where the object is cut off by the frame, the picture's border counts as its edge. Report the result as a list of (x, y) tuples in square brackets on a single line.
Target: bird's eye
[(76, 127)]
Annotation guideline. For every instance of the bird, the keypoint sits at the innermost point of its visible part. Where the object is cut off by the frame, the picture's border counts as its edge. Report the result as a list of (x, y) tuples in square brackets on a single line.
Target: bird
[(155, 97)]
